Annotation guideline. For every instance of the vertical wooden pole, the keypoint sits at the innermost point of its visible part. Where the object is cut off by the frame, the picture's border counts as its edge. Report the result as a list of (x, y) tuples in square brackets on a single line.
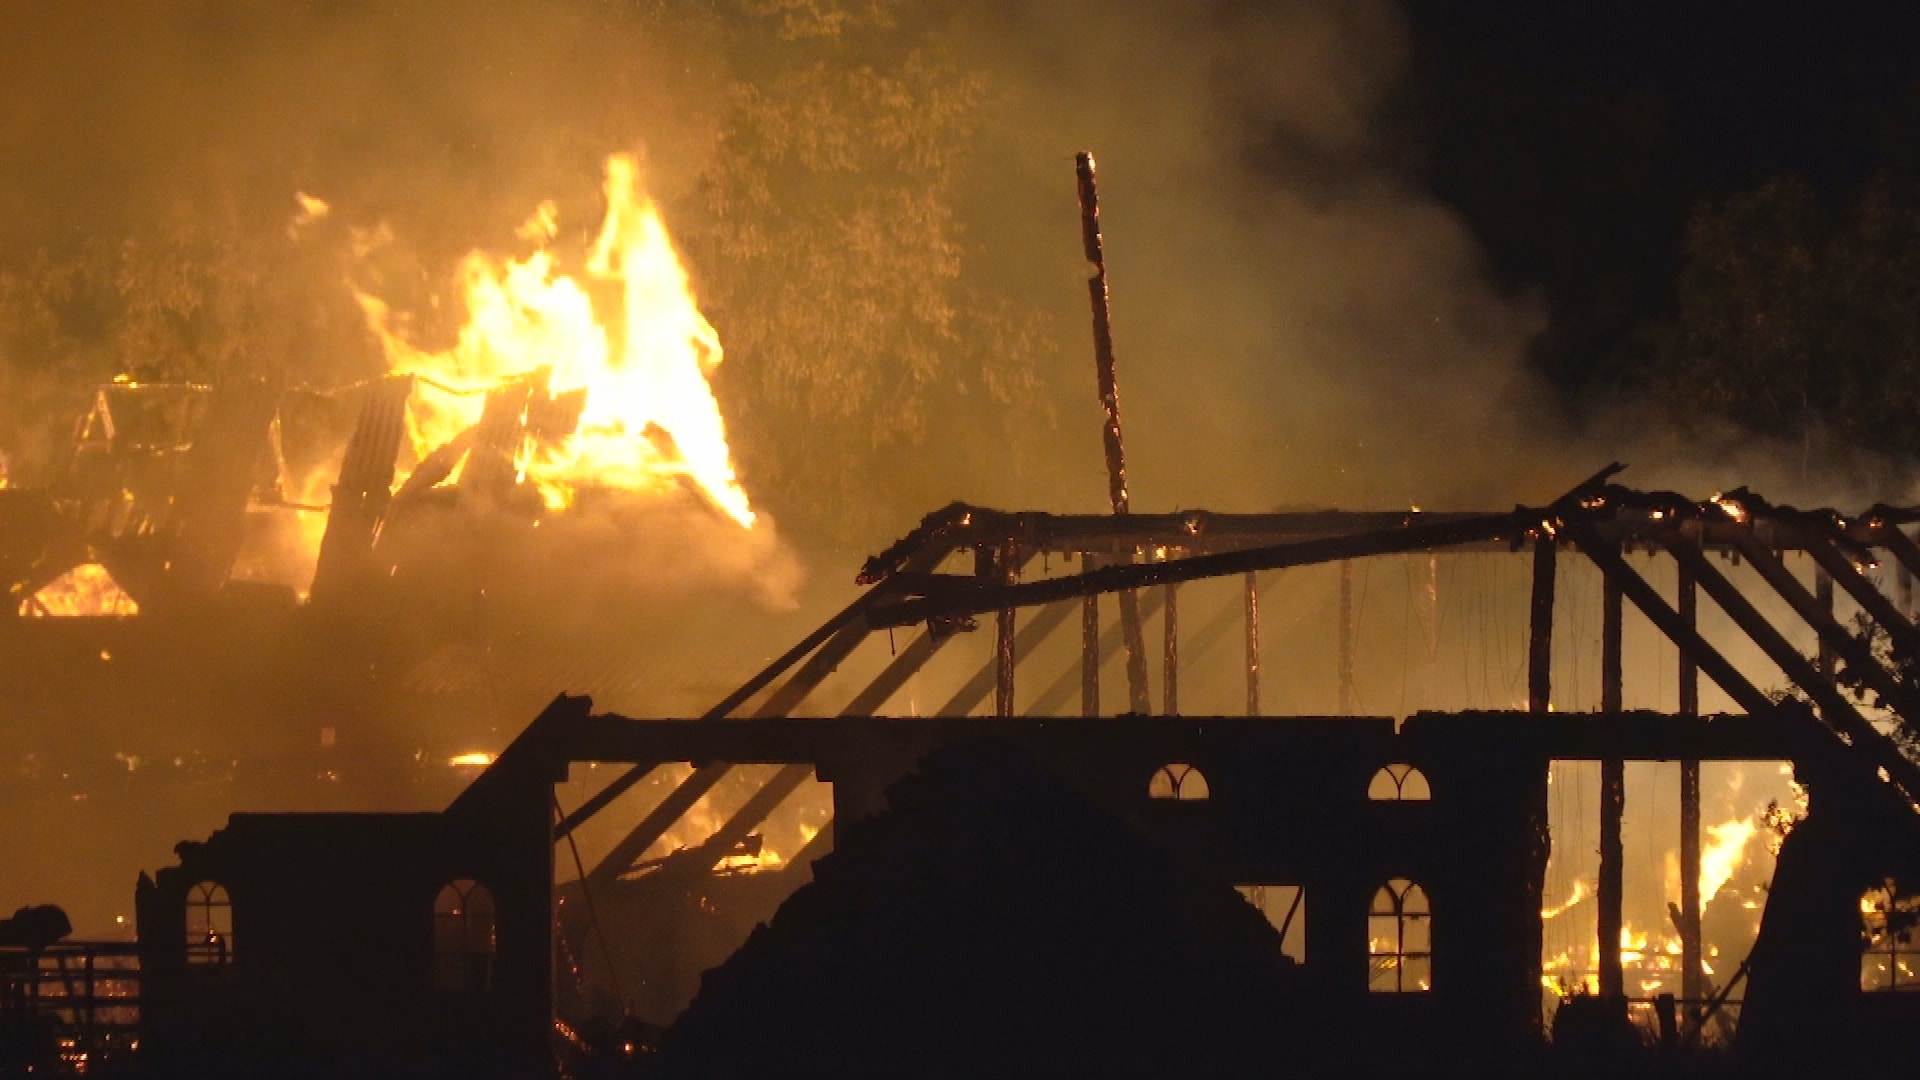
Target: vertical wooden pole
[(1430, 661), (1107, 382), (1346, 638), (1539, 700), (1692, 956), (1253, 643), (1613, 790), (1540, 629), (1170, 650), (1007, 572), (1089, 644)]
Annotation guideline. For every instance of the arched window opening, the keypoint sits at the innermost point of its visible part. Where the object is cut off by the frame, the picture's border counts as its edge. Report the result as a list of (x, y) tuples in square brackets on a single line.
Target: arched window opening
[(1177, 781), (463, 941), (1889, 956), (1399, 783), (1399, 939), (209, 925)]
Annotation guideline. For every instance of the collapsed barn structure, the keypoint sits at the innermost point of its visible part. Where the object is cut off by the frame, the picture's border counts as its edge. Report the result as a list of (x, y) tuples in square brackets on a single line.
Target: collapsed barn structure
[(190, 628), (1411, 858), (1401, 864), (211, 512)]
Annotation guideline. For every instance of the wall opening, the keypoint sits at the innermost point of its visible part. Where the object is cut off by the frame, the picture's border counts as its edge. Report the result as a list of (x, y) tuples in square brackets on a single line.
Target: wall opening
[(1178, 781), (1399, 783), (209, 925), (1399, 939), (463, 937), (1889, 957)]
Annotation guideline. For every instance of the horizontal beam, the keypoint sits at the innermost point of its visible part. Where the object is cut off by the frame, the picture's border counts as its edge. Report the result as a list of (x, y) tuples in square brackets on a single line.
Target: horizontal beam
[(1783, 733), (956, 596), (1202, 532)]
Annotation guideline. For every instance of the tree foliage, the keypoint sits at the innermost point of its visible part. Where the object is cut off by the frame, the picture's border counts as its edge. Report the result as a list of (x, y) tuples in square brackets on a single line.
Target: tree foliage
[(1799, 319), (836, 263), (822, 229)]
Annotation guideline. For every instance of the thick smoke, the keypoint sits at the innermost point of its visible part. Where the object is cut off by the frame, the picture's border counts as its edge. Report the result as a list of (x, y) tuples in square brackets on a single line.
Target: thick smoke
[(1298, 322)]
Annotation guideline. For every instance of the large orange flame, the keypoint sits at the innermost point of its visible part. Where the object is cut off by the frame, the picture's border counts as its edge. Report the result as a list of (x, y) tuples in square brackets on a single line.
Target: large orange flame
[(649, 417), (86, 589)]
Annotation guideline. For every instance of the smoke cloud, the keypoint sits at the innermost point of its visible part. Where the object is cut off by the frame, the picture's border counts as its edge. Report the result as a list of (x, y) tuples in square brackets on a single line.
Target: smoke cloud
[(1298, 322)]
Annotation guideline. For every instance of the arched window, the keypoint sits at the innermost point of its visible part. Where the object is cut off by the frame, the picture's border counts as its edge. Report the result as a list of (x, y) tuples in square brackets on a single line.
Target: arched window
[(1889, 955), (1399, 940), (1177, 781), (209, 925), (463, 936), (1399, 783)]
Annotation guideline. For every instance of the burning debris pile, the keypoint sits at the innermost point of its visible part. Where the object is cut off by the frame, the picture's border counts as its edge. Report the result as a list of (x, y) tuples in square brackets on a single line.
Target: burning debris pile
[(614, 400), (318, 597), (561, 397)]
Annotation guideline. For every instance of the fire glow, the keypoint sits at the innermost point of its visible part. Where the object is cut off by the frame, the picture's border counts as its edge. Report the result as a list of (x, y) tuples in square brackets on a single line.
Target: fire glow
[(647, 417), (87, 589), (1725, 850)]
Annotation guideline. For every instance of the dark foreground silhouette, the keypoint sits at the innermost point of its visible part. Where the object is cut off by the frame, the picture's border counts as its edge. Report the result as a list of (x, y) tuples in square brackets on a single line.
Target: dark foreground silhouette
[(993, 919)]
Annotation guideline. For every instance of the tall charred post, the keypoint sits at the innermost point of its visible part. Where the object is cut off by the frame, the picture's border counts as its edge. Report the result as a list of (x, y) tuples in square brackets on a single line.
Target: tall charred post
[(1089, 644), (1613, 791), (1006, 565), (1170, 650), (1346, 639), (1540, 701), (1109, 388), (1253, 643), (1540, 628), (1692, 984)]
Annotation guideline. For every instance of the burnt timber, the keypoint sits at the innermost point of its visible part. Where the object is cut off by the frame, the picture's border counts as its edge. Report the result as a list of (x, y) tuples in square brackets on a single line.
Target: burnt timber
[(1478, 842)]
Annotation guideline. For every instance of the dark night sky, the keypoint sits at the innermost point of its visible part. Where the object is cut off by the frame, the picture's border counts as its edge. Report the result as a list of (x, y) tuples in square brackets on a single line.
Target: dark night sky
[(1748, 88), (1576, 137)]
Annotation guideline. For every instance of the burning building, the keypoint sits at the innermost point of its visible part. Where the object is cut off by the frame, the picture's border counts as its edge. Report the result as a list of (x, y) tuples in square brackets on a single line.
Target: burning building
[(343, 596), (1402, 865)]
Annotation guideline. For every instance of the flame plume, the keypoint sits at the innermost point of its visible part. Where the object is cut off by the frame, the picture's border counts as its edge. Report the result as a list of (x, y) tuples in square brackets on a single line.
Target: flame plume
[(648, 416)]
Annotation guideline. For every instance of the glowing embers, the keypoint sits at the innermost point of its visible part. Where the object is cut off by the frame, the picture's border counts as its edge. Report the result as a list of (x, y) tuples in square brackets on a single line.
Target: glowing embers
[(1890, 958), (87, 589), (1178, 781), (209, 925), (1285, 906), (775, 817), (1399, 939), (463, 937), (1738, 801), (1399, 783)]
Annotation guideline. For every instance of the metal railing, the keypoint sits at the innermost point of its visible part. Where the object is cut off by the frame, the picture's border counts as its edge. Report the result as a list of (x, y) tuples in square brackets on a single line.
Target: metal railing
[(82, 996)]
